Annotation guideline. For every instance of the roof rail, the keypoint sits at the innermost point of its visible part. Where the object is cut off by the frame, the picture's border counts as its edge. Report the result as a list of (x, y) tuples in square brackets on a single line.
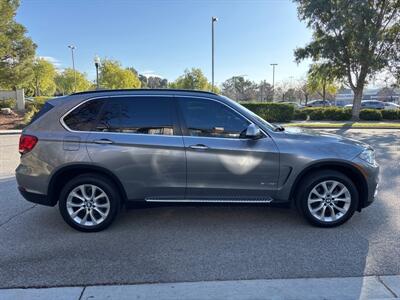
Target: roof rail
[(141, 90)]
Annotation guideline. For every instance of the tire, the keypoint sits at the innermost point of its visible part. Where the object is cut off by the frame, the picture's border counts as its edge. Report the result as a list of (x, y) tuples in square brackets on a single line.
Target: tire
[(99, 208), (316, 192)]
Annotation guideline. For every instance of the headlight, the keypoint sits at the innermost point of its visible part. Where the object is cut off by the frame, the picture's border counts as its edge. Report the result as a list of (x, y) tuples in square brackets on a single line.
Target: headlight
[(368, 155)]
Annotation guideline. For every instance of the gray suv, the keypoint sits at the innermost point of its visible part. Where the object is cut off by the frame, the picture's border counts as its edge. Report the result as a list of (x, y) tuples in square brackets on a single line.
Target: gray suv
[(93, 152)]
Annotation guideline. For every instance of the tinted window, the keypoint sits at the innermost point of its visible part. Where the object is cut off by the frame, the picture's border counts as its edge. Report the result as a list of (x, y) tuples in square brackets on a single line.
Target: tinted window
[(147, 115), (212, 119), (84, 117)]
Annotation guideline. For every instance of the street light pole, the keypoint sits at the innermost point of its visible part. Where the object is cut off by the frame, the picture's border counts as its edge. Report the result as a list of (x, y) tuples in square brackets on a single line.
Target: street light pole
[(273, 80), (213, 20), (72, 47), (97, 64)]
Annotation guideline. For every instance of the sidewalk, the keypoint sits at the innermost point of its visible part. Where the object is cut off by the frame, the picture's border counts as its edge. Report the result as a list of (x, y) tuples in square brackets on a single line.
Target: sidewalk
[(370, 287)]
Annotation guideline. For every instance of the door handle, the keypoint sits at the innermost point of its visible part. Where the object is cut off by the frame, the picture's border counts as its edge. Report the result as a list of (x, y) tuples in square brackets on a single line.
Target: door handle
[(103, 141), (198, 147)]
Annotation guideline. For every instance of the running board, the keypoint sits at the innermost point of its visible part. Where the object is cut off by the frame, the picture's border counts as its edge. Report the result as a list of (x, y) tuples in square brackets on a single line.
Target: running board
[(263, 200)]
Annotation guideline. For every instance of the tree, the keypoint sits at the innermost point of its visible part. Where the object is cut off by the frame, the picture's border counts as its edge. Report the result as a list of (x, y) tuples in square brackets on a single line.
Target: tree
[(321, 81), (355, 39), (16, 50), (44, 73), (154, 82), (264, 92), (239, 88), (113, 76), (65, 82), (192, 79)]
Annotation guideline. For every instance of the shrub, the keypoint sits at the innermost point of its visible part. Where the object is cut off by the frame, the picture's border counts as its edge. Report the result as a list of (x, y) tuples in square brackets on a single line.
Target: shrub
[(337, 114), (40, 101), (316, 114), (272, 112), (391, 114), (8, 103), (370, 115), (300, 114)]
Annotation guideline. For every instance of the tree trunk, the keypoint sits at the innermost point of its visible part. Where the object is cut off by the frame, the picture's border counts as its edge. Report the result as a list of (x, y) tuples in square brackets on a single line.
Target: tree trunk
[(358, 92)]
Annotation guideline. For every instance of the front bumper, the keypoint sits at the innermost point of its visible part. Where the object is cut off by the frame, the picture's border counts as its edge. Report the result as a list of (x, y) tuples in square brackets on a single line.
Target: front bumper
[(371, 176)]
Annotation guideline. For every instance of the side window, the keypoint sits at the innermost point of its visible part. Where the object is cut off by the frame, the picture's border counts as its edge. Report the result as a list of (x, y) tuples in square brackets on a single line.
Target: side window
[(84, 117), (109, 120), (141, 115), (212, 119)]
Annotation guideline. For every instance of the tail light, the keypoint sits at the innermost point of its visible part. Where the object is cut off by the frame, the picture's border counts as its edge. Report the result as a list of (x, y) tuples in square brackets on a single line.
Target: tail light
[(27, 143)]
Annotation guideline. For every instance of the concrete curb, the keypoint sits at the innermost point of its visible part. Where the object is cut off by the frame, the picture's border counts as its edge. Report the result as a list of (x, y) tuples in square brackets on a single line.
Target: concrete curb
[(369, 287), (9, 132)]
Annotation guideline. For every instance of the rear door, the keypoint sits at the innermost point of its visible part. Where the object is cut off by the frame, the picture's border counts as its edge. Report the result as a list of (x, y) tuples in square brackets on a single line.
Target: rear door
[(138, 139)]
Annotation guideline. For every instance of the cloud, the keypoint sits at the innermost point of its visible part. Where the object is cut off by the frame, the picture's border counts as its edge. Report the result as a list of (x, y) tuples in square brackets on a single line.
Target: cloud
[(53, 60), (150, 73)]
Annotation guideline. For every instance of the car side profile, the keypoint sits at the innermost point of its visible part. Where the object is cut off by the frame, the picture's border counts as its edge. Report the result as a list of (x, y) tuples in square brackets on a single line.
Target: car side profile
[(93, 152)]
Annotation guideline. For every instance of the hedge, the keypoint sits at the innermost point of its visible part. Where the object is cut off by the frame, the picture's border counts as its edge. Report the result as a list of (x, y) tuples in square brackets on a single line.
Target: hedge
[(391, 114), (272, 112), (370, 115)]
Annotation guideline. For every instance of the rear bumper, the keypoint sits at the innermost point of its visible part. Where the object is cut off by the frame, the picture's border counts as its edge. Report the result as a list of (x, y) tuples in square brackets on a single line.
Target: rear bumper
[(35, 198)]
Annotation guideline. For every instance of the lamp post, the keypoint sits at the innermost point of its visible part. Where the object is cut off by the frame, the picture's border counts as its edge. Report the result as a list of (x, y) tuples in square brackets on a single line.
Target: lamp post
[(97, 64), (72, 47), (273, 80), (213, 20)]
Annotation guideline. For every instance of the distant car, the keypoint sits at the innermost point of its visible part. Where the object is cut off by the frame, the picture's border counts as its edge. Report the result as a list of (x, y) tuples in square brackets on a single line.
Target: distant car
[(391, 106), (369, 104), (318, 103)]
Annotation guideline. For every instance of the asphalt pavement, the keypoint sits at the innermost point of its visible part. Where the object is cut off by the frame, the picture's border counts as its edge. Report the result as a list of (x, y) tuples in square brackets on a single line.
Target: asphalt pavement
[(183, 244)]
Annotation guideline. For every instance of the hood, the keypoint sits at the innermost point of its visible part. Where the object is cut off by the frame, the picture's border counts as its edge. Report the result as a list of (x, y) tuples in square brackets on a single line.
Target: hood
[(323, 143)]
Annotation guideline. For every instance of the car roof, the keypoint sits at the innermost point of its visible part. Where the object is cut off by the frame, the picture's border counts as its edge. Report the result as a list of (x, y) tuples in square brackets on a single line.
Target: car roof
[(145, 91)]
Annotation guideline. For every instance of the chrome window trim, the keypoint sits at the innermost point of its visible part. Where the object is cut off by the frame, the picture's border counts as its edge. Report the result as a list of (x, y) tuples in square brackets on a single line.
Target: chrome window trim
[(157, 135)]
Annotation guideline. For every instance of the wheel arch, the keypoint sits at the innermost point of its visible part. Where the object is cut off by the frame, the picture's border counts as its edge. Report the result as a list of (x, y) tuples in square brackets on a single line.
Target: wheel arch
[(58, 179), (350, 170)]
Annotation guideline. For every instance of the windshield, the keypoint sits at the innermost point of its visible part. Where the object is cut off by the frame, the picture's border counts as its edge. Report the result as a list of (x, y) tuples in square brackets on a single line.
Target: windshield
[(261, 120)]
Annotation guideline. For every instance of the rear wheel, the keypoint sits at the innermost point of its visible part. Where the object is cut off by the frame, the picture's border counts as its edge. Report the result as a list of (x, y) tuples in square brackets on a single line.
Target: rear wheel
[(89, 202), (327, 198)]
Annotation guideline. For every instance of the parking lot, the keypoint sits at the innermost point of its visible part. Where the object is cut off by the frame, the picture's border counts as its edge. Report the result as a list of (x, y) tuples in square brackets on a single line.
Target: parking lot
[(174, 244)]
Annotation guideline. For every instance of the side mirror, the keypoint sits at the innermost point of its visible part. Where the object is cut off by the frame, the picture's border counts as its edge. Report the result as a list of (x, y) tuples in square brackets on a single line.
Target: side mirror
[(253, 132)]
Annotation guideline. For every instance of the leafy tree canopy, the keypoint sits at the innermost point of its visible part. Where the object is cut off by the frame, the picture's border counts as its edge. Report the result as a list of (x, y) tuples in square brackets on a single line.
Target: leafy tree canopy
[(44, 73), (321, 81), (355, 39), (65, 82), (16, 50), (113, 76), (192, 79)]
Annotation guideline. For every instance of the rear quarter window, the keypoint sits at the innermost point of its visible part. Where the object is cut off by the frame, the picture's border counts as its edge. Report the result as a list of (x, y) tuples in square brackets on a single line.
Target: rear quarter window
[(84, 117)]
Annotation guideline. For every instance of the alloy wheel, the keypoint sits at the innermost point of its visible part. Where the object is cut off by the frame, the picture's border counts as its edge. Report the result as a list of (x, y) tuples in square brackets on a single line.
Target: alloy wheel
[(88, 205), (329, 201)]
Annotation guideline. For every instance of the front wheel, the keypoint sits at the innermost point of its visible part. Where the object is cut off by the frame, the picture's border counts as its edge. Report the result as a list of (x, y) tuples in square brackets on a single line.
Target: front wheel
[(327, 198), (89, 202)]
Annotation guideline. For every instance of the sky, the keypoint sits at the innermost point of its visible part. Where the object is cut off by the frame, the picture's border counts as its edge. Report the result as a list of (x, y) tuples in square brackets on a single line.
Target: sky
[(166, 37)]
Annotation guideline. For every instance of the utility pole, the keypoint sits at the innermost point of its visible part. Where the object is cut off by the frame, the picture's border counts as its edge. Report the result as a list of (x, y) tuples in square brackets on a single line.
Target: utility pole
[(72, 47), (213, 20), (273, 80)]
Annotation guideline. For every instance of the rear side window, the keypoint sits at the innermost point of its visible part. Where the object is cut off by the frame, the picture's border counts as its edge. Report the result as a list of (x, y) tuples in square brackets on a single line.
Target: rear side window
[(84, 117), (140, 115), (46, 108)]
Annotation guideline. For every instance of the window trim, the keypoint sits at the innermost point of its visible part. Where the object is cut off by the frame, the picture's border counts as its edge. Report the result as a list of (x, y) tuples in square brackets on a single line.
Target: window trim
[(178, 121), (175, 120), (184, 126)]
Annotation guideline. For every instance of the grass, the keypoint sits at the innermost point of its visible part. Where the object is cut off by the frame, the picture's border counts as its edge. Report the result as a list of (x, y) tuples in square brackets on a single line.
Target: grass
[(394, 125)]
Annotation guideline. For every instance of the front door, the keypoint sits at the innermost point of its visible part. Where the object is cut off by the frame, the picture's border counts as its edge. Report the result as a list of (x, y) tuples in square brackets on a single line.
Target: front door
[(222, 164)]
